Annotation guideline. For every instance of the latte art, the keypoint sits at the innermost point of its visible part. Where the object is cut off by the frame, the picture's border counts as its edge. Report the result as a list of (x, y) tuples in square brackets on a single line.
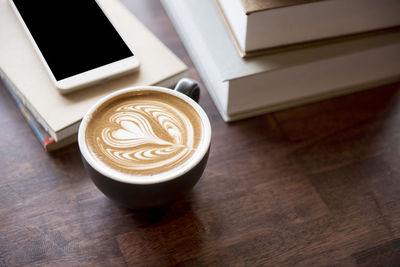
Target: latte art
[(133, 139), (144, 133)]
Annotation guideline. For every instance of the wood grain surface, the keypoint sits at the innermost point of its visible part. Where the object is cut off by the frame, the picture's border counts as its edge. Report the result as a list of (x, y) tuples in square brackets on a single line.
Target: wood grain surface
[(316, 185)]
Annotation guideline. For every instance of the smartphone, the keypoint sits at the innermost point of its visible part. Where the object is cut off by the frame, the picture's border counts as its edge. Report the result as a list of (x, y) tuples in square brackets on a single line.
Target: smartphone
[(75, 40)]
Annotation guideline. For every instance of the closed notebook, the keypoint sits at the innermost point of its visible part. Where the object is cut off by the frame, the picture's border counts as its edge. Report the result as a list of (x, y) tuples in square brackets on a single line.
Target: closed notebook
[(60, 115)]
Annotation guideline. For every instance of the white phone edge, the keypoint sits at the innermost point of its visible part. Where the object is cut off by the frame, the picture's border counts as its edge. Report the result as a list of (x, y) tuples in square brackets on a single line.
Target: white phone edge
[(87, 78)]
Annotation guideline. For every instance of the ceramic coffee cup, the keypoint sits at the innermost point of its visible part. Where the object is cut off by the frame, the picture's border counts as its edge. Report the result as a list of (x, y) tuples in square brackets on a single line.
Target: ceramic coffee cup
[(159, 161)]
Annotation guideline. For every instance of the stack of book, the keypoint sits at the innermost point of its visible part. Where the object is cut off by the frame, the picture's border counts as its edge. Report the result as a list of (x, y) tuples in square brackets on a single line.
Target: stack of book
[(257, 56), (55, 118)]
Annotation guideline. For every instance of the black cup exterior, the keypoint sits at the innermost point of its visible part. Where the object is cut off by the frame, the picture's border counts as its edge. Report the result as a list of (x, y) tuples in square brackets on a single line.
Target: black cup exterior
[(143, 196)]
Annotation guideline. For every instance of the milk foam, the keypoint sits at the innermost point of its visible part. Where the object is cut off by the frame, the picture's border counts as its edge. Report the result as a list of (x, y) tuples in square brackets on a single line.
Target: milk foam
[(144, 135)]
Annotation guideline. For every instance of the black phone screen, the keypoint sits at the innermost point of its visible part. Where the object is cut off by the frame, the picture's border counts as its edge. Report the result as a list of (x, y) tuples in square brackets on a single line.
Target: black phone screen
[(73, 36)]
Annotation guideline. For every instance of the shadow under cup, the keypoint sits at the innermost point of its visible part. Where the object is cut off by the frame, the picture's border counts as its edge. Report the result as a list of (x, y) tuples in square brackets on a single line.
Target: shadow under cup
[(147, 191)]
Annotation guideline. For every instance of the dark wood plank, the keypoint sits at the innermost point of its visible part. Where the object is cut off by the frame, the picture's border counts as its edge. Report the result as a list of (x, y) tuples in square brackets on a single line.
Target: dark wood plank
[(313, 185), (387, 255)]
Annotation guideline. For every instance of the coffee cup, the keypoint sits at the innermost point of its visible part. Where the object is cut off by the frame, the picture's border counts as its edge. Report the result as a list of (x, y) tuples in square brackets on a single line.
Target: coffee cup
[(146, 146)]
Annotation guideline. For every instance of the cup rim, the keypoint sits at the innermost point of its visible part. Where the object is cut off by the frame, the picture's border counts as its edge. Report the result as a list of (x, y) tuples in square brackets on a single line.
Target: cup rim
[(145, 179)]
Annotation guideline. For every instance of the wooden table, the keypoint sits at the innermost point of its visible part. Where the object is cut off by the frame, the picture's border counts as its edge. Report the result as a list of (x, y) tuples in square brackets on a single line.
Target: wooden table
[(313, 185)]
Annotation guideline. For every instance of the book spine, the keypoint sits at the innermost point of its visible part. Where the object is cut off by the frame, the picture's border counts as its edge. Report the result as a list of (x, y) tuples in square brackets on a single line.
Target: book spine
[(197, 52), (43, 137)]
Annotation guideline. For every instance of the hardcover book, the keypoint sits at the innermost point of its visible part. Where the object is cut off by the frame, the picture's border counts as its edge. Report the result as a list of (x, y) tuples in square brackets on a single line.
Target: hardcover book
[(266, 26), (242, 88)]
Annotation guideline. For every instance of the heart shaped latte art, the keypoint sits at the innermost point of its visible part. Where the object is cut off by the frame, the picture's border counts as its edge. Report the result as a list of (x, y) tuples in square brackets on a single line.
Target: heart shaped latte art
[(146, 136)]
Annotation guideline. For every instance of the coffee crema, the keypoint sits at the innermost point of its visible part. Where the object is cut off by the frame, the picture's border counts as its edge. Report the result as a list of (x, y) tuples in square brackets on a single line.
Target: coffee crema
[(144, 132)]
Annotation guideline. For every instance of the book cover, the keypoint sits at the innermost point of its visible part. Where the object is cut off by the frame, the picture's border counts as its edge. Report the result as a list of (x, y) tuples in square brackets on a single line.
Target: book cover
[(269, 26), (251, 6), (58, 114), (44, 138)]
